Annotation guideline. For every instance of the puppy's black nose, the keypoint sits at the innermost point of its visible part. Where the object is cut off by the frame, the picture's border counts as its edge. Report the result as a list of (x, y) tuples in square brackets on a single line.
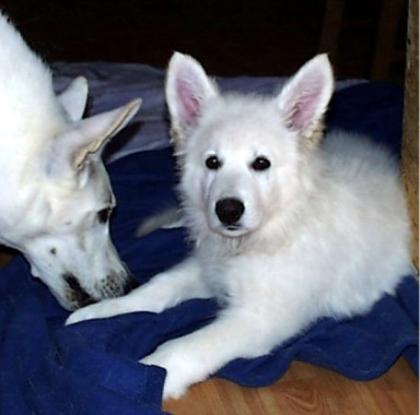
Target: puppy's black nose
[(229, 210)]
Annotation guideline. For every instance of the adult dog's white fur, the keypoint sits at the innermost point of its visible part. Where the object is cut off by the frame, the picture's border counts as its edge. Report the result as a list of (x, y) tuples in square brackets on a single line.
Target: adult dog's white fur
[(314, 230), (52, 181)]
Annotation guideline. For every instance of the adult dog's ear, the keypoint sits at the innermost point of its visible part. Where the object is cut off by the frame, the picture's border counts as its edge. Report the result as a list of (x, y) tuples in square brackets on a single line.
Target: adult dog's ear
[(304, 99), (73, 99), (188, 90), (72, 149)]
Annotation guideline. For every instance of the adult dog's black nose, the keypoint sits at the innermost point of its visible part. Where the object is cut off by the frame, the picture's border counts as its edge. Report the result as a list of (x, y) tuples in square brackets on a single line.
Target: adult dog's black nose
[(229, 210), (77, 294), (130, 284)]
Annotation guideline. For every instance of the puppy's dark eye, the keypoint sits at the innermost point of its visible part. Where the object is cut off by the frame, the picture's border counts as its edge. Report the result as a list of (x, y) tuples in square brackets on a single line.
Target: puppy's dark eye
[(260, 163), (104, 214), (213, 163)]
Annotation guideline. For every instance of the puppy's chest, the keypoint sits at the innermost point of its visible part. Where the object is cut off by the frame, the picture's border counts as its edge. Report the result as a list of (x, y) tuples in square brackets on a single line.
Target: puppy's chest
[(217, 279), (229, 278), (215, 264)]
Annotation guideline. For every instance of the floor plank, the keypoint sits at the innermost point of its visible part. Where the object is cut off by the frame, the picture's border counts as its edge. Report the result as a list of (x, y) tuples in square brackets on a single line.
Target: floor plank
[(306, 389)]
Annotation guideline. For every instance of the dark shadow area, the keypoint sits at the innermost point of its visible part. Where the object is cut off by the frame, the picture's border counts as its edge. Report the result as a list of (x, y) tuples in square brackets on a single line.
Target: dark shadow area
[(267, 37)]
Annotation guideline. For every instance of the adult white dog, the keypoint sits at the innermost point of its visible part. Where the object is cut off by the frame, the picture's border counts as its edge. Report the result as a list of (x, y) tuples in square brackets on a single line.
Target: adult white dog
[(55, 194), (287, 230)]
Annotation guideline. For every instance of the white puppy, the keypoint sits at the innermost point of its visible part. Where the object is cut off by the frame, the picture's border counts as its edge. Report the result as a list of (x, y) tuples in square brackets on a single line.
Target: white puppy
[(287, 230), (56, 196)]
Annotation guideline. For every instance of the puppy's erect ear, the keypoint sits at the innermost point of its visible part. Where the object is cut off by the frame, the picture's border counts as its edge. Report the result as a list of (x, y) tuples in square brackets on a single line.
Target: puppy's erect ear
[(304, 99), (73, 99), (188, 89), (72, 149)]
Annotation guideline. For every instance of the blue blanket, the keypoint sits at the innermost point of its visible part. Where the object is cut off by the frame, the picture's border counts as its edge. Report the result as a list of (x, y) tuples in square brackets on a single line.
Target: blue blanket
[(91, 368)]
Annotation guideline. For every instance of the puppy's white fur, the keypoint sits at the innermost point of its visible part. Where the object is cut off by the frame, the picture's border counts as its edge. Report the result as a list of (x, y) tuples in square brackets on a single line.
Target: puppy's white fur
[(324, 230), (52, 180)]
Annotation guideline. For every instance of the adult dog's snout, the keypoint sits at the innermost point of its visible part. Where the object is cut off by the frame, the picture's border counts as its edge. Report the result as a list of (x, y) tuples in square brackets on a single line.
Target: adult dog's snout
[(130, 284), (113, 285), (229, 211), (77, 296)]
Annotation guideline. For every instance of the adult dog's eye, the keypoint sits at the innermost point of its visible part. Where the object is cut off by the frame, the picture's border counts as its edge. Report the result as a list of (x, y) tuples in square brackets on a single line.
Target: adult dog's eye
[(104, 214), (213, 163), (260, 163)]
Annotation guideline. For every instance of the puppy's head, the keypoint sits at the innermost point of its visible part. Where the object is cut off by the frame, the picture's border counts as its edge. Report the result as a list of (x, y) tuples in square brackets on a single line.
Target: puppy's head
[(64, 226), (243, 158)]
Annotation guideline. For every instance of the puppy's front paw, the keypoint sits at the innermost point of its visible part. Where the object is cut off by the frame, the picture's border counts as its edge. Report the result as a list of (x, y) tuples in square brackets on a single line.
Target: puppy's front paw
[(105, 308), (182, 370)]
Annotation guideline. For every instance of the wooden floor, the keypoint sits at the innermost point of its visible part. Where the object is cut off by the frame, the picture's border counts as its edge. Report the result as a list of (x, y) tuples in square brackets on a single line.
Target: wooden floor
[(306, 389)]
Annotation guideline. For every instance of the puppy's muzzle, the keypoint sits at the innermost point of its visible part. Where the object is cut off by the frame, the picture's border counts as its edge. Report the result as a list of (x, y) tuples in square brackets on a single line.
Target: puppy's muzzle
[(229, 211)]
